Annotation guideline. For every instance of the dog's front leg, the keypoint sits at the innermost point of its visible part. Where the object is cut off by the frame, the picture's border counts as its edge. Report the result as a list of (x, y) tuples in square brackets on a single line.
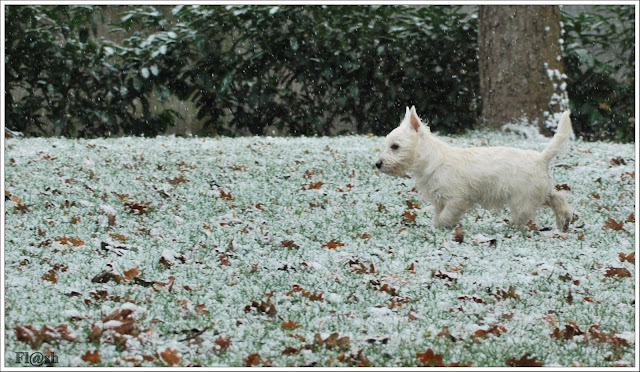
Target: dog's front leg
[(448, 214)]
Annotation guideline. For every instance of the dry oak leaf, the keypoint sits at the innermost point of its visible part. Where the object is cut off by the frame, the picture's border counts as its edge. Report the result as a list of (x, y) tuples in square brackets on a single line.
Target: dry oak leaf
[(137, 208), (569, 331), (50, 276), (223, 342), (333, 244), (289, 244), (62, 331), (117, 320), (225, 195), (131, 273), (409, 217), (255, 359), (64, 240), (429, 359), (524, 361), (91, 357), (494, 329), (290, 351), (445, 333), (28, 334), (412, 205), (201, 310), (359, 359), (617, 271), (176, 180), (631, 257), (289, 325), (265, 307), (19, 207), (118, 237), (613, 224), (35, 337), (96, 331), (618, 160), (501, 294), (224, 260), (170, 356), (335, 340), (315, 185), (121, 196)]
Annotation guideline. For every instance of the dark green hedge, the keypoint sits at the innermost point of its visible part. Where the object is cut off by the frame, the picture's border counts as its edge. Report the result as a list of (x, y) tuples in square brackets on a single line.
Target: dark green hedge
[(601, 81), (61, 81), (302, 69), (306, 70)]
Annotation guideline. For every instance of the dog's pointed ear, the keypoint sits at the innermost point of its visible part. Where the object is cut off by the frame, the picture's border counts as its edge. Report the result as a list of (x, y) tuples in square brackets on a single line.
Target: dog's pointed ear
[(408, 112), (414, 119)]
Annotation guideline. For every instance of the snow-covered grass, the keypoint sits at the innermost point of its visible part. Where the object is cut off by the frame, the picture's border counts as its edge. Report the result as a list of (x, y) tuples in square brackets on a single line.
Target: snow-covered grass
[(254, 251)]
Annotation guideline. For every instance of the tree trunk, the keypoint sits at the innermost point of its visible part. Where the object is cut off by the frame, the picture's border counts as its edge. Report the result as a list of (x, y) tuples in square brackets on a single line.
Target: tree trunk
[(521, 69)]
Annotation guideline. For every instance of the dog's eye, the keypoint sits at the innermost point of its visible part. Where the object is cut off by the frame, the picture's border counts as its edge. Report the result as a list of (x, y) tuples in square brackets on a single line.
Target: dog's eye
[(395, 146)]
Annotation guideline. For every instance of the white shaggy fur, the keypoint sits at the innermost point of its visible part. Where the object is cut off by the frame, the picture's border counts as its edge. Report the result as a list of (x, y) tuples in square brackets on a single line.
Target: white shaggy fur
[(457, 179)]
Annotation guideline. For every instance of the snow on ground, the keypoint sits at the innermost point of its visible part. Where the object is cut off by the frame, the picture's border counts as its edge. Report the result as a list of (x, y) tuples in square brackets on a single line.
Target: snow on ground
[(296, 251)]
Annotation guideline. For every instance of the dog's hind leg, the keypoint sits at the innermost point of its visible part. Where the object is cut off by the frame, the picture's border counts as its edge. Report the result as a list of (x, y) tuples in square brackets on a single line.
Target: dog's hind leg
[(520, 217), (561, 208)]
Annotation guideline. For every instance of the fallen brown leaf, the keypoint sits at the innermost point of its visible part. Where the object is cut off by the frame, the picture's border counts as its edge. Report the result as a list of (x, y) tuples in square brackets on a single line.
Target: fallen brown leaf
[(409, 217), (631, 257), (429, 359), (170, 356), (92, 357), (333, 244), (289, 325), (617, 271), (524, 361), (131, 273), (613, 224), (223, 342)]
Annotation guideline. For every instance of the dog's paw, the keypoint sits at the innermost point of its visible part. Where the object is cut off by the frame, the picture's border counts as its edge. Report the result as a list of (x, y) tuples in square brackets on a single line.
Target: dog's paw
[(563, 225)]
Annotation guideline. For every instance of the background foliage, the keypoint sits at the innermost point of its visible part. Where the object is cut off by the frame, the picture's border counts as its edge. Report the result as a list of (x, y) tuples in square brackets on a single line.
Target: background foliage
[(59, 80), (601, 81), (305, 70), (308, 68)]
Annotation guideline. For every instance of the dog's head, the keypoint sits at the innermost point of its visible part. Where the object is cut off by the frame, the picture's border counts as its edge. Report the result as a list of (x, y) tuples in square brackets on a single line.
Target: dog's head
[(400, 145)]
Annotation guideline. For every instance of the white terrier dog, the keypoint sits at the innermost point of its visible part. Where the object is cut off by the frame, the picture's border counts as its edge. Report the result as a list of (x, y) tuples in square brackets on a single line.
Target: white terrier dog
[(457, 179)]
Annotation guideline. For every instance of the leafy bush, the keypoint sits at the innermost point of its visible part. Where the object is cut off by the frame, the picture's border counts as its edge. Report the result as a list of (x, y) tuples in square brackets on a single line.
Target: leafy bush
[(601, 81), (308, 68), (60, 81), (311, 70), (301, 69)]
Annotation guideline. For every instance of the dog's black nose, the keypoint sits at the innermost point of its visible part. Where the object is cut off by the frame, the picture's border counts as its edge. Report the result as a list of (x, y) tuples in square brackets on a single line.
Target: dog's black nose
[(379, 164)]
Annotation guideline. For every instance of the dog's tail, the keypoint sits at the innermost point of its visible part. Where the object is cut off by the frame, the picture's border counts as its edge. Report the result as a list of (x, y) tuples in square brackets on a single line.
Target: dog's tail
[(563, 133)]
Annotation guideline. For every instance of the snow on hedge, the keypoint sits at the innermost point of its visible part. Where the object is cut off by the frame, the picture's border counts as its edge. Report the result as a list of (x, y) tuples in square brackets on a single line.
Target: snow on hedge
[(297, 252)]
